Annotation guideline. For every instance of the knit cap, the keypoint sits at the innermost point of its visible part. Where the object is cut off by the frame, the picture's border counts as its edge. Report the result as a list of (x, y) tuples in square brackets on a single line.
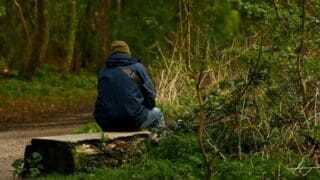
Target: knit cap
[(120, 46)]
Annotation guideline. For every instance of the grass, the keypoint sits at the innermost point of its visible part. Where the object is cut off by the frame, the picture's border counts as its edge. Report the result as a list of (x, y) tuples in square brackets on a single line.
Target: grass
[(178, 157), (90, 127), (49, 88)]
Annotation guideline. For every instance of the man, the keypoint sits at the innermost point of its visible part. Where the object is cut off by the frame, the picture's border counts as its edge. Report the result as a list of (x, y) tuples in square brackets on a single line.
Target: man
[(120, 105)]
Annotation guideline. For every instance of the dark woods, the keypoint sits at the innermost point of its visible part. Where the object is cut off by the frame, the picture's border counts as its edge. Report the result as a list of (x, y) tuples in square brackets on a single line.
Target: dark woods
[(242, 75), (69, 34), (75, 34)]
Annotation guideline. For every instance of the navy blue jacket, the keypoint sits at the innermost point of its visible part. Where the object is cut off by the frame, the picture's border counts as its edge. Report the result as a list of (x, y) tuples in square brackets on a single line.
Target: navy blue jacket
[(119, 102)]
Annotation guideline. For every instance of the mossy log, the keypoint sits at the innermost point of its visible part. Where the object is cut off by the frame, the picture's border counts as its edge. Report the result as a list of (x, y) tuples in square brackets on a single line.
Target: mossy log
[(82, 152)]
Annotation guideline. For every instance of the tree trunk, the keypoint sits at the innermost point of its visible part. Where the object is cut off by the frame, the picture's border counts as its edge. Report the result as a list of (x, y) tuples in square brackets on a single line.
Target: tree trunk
[(104, 31), (68, 64), (118, 18), (37, 48), (85, 45), (22, 19), (81, 152)]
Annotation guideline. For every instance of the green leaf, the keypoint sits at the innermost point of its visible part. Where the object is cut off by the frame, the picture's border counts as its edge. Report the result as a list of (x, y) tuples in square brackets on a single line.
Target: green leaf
[(2, 11)]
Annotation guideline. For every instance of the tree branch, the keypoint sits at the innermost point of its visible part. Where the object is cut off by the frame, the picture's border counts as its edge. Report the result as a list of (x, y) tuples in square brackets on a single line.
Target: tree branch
[(23, 20)]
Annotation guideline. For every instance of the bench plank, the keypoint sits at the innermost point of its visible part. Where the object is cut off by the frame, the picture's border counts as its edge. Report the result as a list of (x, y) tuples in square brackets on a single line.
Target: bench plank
[(76, 138)]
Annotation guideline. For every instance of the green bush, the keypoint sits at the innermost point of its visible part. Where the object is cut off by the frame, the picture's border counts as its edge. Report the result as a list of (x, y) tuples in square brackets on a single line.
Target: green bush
[(89, 128)]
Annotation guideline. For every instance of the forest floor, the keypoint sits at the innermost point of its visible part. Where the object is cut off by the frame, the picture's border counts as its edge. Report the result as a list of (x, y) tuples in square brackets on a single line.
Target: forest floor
[(20, 114), (18, 127), (13, 144)]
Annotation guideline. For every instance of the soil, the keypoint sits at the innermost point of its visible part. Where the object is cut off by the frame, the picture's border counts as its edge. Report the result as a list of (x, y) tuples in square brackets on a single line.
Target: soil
[(20, 114), (17, 129)]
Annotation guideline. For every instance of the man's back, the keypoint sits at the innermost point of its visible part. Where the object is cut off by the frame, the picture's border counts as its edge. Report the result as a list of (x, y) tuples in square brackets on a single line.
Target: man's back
[(119, 102)]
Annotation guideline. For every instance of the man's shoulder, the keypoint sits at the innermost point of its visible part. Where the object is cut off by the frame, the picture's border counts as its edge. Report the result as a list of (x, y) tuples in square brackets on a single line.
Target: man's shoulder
[(106, 71), (137, 66)]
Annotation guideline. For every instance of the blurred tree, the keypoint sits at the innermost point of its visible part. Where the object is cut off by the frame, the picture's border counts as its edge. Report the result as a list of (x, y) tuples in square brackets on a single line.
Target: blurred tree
[(14, 27), (22, 19), (86, 33), (144, 24), (37, 48), (104, 31), (68, 64), (2, 10)]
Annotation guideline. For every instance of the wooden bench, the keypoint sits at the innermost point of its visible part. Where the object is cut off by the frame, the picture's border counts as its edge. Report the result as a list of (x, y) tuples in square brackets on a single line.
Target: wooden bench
[(81, 152)]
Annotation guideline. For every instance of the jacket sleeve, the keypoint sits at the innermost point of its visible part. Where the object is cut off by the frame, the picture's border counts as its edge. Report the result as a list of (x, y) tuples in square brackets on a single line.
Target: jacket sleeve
[(142, 72)]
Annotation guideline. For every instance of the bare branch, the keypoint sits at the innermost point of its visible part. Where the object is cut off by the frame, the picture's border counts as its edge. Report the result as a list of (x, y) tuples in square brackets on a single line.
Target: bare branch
[(23, 20)]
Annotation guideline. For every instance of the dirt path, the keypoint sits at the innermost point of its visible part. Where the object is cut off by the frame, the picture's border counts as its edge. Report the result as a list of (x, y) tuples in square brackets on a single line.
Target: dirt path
[(13, 142), (22, 120)]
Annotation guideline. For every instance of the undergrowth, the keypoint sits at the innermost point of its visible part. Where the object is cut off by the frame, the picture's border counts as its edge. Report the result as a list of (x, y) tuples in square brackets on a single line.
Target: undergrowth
[(90, 127), (178, 157), (48, 87)]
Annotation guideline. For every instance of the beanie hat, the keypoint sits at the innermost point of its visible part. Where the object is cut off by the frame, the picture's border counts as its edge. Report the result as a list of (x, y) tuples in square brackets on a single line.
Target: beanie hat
[(120, 46)]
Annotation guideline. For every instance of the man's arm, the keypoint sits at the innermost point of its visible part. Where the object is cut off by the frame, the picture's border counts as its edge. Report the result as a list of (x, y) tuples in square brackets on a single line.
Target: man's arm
[(142, 72)]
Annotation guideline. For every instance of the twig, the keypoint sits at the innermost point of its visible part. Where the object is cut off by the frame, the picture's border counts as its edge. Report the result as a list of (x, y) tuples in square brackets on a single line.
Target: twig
[(252, 74), (299, 61), (23, 20), (214, 147), (315, 107), (302, 168), (240, 129), (188, 34), (278, 16)]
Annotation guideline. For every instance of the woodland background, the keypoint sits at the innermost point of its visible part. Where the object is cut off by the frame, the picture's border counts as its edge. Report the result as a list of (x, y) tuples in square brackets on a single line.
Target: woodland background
[(238, 79)]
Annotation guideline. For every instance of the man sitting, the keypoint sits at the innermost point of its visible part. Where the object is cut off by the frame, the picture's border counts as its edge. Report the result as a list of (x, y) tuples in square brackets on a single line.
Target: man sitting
[(122, 103)]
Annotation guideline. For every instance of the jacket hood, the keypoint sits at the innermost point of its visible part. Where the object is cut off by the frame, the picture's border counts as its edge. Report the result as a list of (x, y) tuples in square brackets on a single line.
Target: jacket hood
[(120, 59)]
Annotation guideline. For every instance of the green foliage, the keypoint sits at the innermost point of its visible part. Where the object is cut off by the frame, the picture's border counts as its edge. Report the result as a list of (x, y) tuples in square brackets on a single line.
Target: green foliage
[(103, 140), (183, 111), (313, 133), (52, 75), (89, 128), (178, 157), (2, 10), (34, 165), (50, 86), (17, 167), (82, 81), (227, 21), (142, 26), (177, 148), (160, 169), (164, 161), (252, 168)]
